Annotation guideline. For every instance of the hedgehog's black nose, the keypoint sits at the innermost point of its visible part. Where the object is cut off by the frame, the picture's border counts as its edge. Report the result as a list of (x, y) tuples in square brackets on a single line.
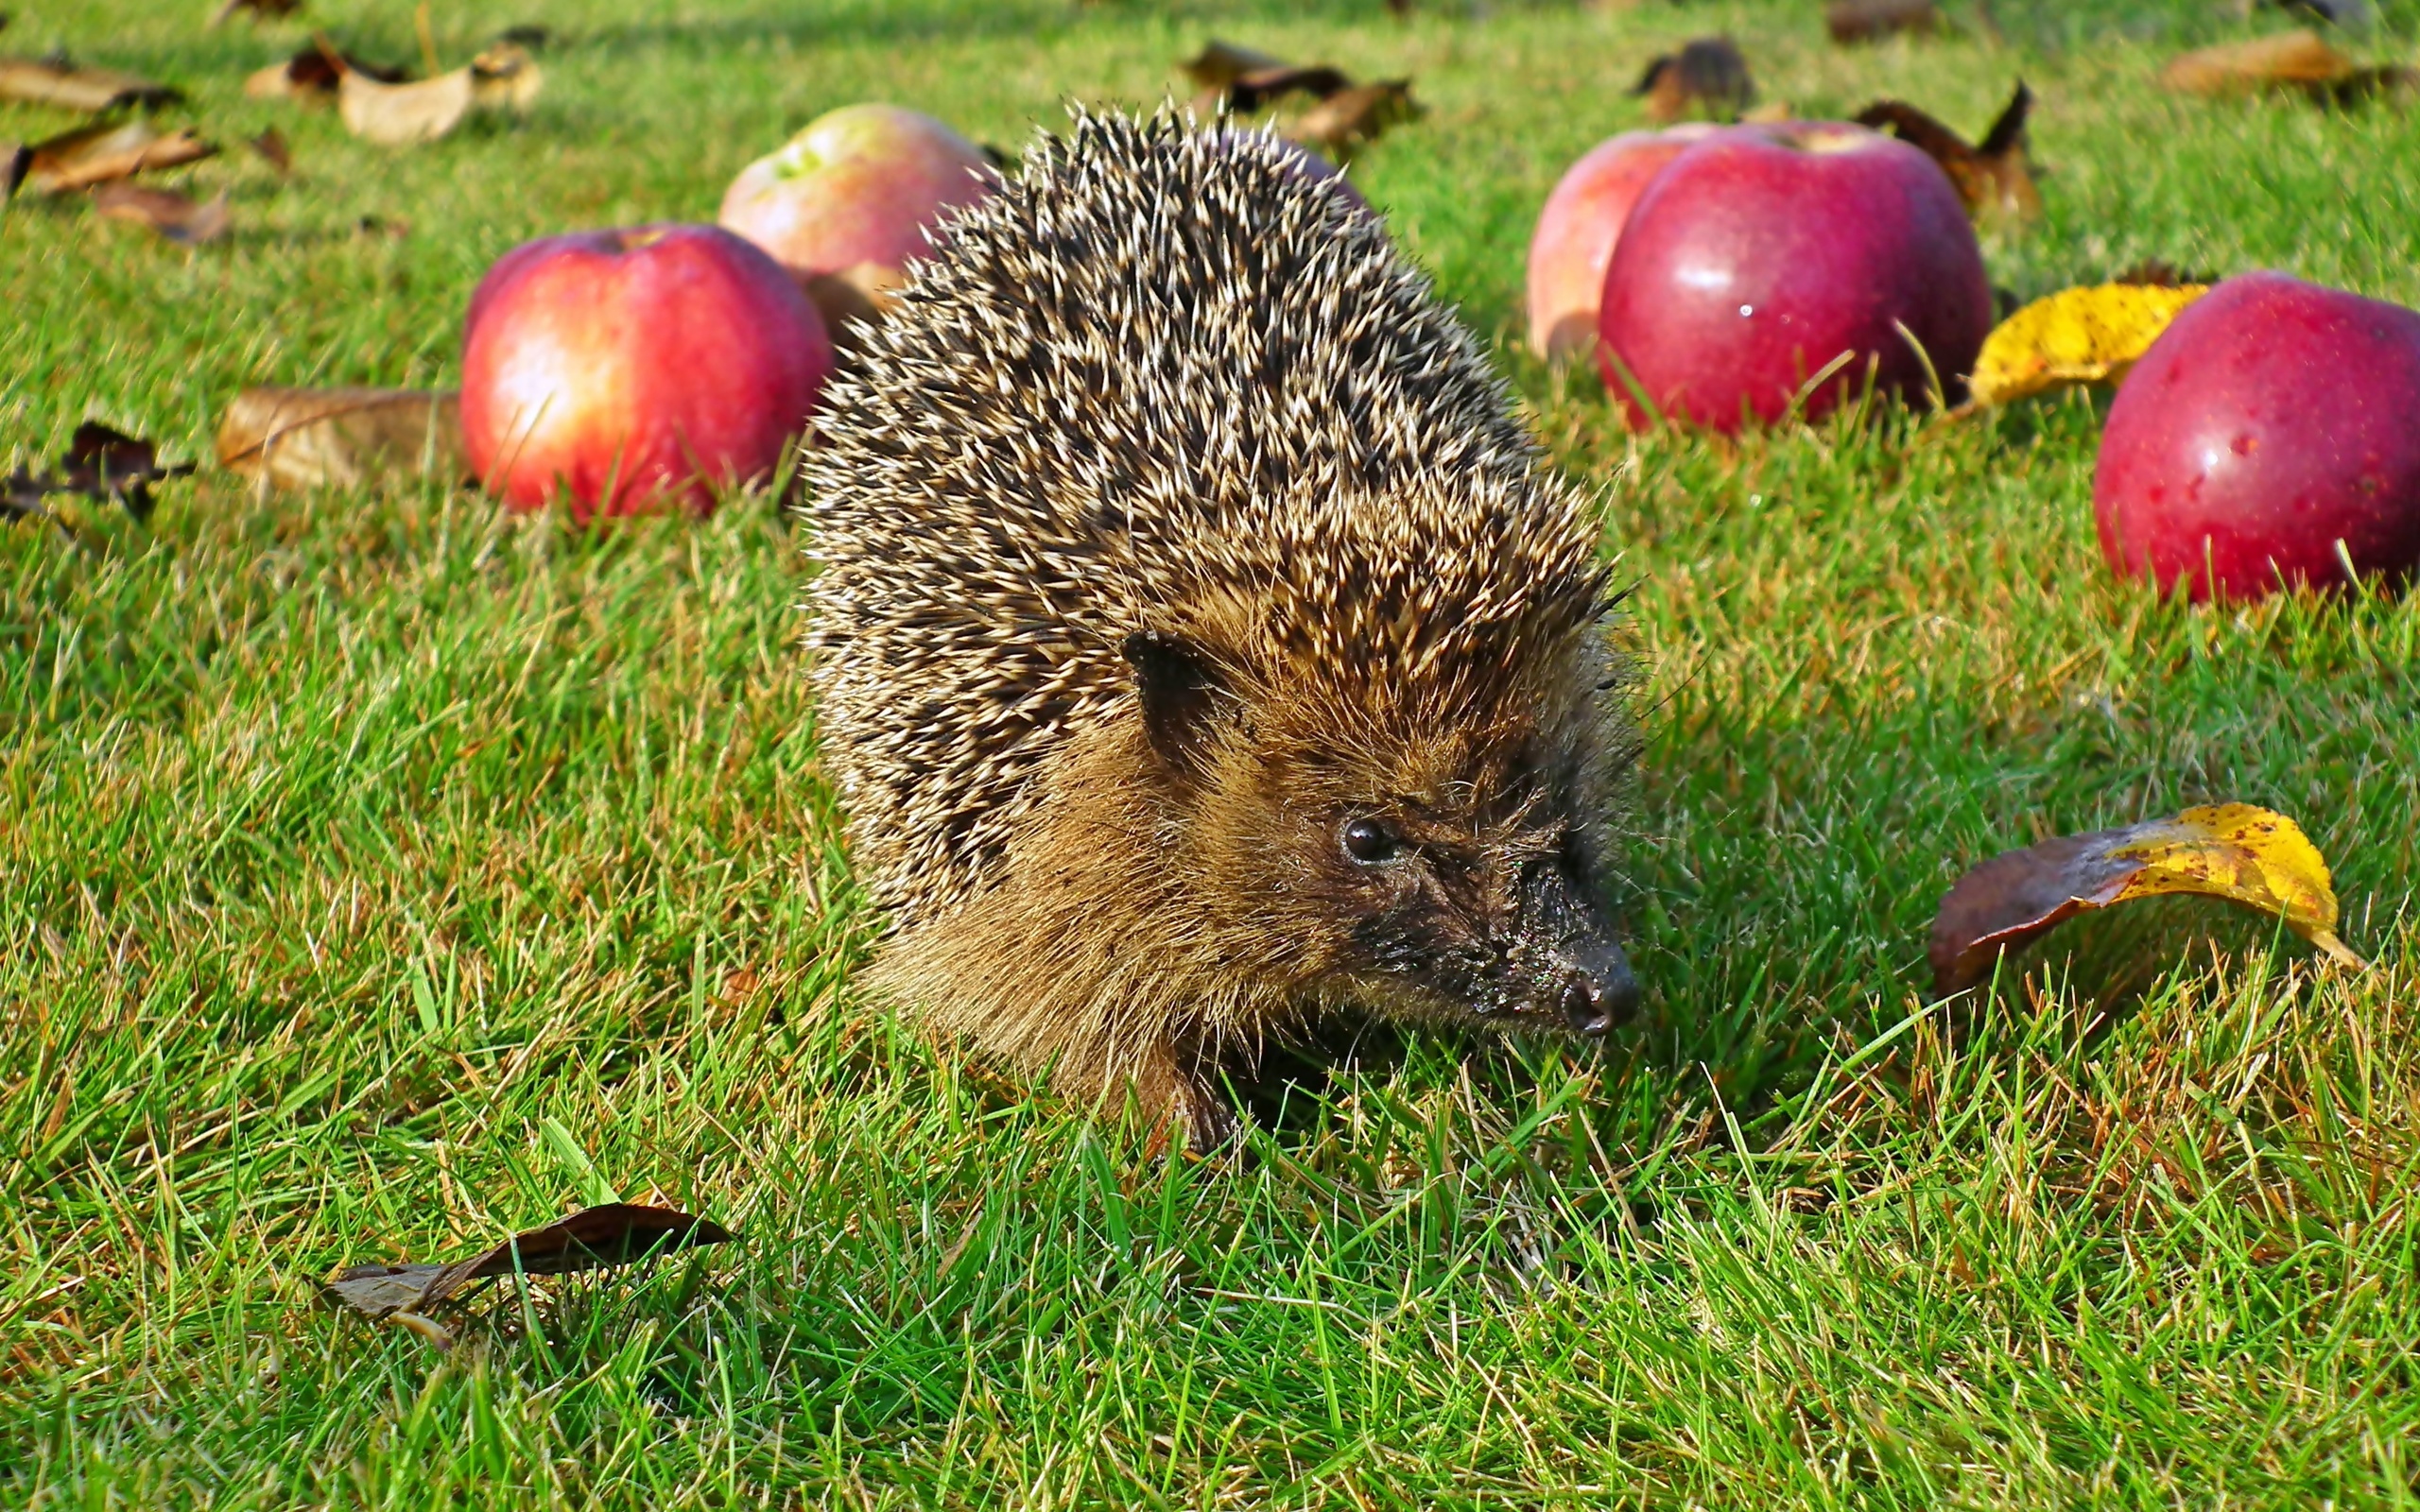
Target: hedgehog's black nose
[(1600, 992)]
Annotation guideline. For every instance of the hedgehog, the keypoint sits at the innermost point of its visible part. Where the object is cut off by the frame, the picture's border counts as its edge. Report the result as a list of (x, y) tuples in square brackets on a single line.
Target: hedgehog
[(1200, 642)]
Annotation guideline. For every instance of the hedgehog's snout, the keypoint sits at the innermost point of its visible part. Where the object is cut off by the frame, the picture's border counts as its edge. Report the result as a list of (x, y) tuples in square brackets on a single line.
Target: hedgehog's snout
[(1598, 990), (1575, 970)]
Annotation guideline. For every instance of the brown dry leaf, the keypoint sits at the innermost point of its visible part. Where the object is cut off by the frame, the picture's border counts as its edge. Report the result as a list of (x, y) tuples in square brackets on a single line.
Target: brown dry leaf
[(2298, 59), (1350, 119), (1994, 177), (271, 145), (1247, 81), (313, 437), (2159, 273), (617, 1233), (257, 9), (853, 299), (1707, 77), (1216, 68), (2246, 854), (1855, 21), (100, 463), (312, 75), (97, 154), (401, 114), (48, 81), (178, 217), (1263, 86), (505, 76), (2081, 336)]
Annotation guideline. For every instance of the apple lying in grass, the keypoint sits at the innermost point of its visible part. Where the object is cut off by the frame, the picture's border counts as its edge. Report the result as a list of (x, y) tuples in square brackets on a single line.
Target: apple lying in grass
[(2270, 437), (1578, 226), (634, 367), (853, 194), (1763, 255)]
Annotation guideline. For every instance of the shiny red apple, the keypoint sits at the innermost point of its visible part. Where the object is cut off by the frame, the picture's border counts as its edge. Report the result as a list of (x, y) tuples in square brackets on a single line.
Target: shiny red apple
[(630, 367), (857, 189), (1764, 254), (1578, 226), (2270, 438)]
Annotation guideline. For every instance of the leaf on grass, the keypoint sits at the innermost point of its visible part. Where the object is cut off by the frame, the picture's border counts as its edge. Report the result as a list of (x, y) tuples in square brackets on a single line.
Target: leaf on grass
[(1247, 81), (2081, 336), (271, 145), (257, 9), (2232, 851), (57, 81), (505, 76), (100, 463), (617, 1233), (178, 217), (1994, 177), (99, 153), (314, 438), (1350, 119), (2155, 272), (1262, 86), (1216, 68), (853, 299), (1708, 76), (1855, 21), (2299, 60), (401, 114), (312, 75)]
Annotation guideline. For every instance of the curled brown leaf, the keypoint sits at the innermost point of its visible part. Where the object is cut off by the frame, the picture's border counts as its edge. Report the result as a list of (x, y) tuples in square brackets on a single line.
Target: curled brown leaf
[(616, 1233), (99, 153), (1351, 118), (2300, 58), (1855, 21), (314, 438), (100, 463), (312, 75), (1994, 177), (178, 217), (2237, 851), (1707, 77), (853, 299), (50, 81)]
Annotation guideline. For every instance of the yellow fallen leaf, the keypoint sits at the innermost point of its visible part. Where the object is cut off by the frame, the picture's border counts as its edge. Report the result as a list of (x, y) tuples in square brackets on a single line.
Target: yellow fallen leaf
[(2246, 854), (2079, 335)]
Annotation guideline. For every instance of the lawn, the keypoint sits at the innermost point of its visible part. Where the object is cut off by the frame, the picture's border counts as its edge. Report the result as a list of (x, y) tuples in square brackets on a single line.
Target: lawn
[(380, 874)]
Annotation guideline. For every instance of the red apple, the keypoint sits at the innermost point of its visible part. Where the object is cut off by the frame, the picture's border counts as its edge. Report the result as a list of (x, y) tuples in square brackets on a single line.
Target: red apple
[(2273, 425), (628, 367), (1764, 253), (1577, 229), (860, 187)]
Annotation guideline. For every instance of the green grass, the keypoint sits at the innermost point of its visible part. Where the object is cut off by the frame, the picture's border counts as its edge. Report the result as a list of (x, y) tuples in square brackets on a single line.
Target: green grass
[(379, 874)]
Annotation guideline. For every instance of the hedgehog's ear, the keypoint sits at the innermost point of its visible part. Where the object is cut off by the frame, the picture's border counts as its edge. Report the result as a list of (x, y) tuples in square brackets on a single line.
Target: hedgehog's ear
[(1179, 691)]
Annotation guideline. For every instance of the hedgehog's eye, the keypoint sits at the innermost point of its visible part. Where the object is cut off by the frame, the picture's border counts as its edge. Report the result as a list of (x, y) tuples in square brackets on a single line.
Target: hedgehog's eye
[(1369, 842)]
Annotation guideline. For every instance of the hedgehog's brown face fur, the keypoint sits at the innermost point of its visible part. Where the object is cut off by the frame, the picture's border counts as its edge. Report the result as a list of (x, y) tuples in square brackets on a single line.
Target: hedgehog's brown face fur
[(1438, 865)]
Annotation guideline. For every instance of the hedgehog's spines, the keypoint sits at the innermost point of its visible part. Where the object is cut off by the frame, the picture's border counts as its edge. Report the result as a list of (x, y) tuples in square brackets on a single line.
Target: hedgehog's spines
[(1163, 382)]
